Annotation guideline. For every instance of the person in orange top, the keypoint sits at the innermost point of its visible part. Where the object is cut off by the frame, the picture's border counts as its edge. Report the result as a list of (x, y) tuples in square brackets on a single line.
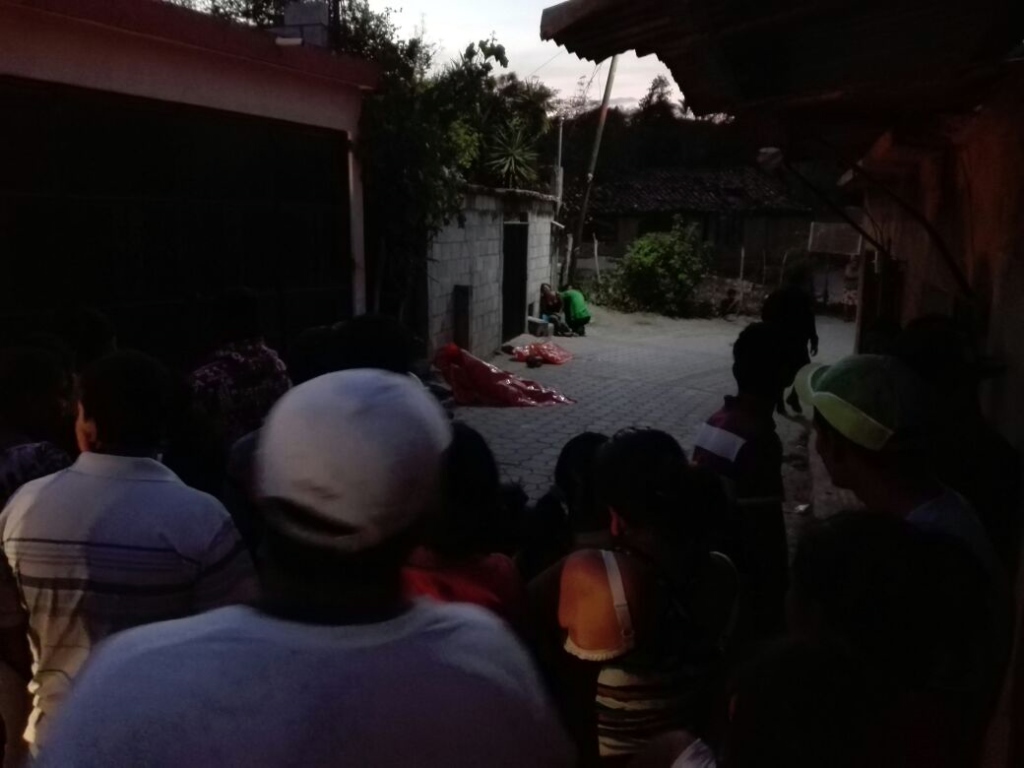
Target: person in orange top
[(651, 615), (460, 560)]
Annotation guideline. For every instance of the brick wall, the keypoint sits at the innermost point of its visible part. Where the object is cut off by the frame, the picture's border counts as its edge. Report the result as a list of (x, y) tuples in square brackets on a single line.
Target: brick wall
[(471, 255)]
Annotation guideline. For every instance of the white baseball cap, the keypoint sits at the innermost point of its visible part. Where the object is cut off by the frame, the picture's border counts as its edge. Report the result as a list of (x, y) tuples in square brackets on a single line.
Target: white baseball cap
[(357, 454)]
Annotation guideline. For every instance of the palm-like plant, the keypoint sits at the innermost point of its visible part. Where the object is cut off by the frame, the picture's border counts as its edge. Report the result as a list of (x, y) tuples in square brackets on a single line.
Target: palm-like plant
[(512, 156)]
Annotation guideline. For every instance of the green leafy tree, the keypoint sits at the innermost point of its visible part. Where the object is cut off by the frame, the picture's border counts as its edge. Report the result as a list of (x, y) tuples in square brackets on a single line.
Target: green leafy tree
[(258, 12), (658, 100), (421, 137), (660, 272)]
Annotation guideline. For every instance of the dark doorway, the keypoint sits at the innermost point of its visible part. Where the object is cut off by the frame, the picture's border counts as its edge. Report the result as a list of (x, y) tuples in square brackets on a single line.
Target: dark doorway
[(513, 280)]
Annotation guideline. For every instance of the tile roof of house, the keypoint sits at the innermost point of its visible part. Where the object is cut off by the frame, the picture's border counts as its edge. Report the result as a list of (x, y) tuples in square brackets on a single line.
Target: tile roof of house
[(739, 189)]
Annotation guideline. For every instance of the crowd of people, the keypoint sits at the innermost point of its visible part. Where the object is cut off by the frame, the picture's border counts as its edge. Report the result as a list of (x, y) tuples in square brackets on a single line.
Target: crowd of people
[(309, 561)]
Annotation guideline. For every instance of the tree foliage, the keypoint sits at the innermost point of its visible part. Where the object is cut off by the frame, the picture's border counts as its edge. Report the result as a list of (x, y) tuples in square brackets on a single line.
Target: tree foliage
[(425, 134), (660, 273), (258, 12)]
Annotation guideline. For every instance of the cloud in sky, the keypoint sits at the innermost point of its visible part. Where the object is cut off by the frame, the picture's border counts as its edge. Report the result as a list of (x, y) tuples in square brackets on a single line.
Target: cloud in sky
[(453, 24)]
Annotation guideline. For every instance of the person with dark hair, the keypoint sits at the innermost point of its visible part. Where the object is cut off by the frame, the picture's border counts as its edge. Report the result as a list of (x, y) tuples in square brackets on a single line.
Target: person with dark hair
[(35, 393), (648, 618), (916, 606), (790, 311), (375, 341), (740, 444), (242, 377), (568, 516), (872, 418), (88, 334), (335, 666), (552, 311), (114, 541), (988, 475), (458, 561)]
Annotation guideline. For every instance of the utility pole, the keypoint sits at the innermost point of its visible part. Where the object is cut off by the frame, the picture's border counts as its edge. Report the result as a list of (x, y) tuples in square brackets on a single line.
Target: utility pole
[(602, 117)]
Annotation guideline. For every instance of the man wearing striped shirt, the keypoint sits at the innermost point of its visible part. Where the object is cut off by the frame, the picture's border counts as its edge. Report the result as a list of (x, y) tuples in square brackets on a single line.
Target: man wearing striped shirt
[(114, 541), (740, 444)]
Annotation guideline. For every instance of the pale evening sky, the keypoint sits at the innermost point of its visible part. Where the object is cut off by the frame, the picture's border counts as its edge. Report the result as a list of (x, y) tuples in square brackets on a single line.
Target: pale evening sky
[(453, 24)]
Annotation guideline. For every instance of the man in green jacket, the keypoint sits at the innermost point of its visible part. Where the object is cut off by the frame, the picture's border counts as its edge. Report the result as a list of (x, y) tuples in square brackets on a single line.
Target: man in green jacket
[(577, 314)]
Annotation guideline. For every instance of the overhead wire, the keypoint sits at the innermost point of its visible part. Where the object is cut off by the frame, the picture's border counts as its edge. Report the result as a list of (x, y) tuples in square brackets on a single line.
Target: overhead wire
[(538, 69)]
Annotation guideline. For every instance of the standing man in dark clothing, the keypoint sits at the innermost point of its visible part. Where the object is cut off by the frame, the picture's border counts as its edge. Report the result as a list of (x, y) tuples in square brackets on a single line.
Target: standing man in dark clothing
[(790, 310), (739, 443)]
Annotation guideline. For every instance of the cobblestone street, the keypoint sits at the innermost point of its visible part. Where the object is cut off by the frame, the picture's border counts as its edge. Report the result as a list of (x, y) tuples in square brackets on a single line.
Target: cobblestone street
[(637, 370)]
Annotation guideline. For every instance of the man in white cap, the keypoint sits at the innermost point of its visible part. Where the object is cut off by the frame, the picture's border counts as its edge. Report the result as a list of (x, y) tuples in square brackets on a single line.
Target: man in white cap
[(335, 668)]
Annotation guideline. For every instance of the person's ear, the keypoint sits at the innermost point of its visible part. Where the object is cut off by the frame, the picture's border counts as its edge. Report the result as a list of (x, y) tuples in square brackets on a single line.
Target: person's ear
[(618, 525), (85, 431)]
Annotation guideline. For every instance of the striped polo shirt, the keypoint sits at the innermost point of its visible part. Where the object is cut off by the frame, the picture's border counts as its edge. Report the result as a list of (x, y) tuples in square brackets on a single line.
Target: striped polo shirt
[(739, 443), (110, 543)]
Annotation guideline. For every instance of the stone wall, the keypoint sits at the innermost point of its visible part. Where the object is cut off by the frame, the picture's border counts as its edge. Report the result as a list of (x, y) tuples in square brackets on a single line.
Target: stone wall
[(469, 253)]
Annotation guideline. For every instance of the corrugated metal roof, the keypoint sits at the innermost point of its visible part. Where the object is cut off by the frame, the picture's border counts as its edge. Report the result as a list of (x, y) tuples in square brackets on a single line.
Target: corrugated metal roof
[(729, 55), (732, 189)]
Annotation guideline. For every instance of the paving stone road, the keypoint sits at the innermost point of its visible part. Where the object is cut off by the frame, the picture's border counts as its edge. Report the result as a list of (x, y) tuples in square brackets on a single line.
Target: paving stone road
[(630, 370)]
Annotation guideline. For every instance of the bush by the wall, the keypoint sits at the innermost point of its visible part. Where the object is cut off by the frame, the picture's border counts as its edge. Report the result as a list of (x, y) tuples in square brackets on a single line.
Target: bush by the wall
[(659, 273)]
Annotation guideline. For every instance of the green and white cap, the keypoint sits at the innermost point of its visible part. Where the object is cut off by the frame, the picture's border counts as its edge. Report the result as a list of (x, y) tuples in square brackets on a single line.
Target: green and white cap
[(875, 401)]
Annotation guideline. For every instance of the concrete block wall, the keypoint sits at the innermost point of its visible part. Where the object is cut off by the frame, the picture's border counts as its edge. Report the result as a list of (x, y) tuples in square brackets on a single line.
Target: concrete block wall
[(472, 255)]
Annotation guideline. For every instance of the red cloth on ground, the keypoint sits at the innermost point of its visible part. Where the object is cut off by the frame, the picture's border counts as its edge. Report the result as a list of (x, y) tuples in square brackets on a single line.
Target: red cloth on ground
[(548, 351), (492, 582), (475, 382)]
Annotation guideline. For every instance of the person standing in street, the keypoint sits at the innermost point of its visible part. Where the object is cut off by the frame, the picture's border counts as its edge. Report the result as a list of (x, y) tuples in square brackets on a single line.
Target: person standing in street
[(739, 443), (790, 311)]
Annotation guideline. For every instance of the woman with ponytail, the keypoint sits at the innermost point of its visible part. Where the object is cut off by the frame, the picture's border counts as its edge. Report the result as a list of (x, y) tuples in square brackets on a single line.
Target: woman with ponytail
[(649, 617)]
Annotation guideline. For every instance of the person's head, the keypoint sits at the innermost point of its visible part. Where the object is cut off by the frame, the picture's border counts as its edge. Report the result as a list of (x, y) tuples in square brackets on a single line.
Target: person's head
[(236, 316), (467, 523), (314, 352), (798, 276), (575, 480), (759, 362), (88, 333), (871, 417), (906, 599), (803, 705), (123, 402), (34, 392), (376, 341), (643, 480), (941, 352), (348, 466), (547, 291)]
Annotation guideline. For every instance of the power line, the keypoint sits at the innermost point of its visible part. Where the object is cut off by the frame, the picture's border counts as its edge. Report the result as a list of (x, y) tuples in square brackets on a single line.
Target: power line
[(590, 82), (538, 69)]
